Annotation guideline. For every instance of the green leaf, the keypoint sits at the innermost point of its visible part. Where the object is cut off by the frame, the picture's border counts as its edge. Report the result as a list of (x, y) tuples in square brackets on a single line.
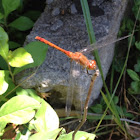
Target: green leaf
[(115, 99), (4, 48), (133, 75), (46, 118), (3, 64), (3, 81), (137, 44), (136, 87), (136, 8), (80, 135), (29, 92), (52, 135), (22, 23), (13, 45), (19, 109), (33, 15), (9, 6), (97, 108), (137, 66), (19, 57), (2, 126), (1, 15), (38, 51)]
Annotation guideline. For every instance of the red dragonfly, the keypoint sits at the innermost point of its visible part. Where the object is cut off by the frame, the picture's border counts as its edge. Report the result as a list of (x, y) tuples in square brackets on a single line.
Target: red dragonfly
[(80, 58)]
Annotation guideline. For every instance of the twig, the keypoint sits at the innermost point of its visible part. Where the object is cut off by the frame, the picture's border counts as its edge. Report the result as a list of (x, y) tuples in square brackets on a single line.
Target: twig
[(86, 103)]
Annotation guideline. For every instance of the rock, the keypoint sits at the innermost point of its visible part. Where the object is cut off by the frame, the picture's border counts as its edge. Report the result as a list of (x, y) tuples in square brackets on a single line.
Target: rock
[(49, 1), (73, 9), (56, 25), (69, 32), (56, 11)]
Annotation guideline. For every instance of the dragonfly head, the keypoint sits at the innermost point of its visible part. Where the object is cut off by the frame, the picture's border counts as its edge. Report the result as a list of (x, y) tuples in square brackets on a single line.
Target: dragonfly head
[(92, 65)]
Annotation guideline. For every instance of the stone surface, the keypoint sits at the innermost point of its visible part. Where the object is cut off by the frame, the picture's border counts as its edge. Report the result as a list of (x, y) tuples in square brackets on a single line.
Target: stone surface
[(68, 30)]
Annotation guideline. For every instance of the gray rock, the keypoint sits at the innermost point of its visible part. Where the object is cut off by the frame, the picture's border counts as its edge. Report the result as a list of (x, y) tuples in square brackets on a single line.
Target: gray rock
[(71, 34), (56, 25), (56, 11), (49, 1), (73, 9)]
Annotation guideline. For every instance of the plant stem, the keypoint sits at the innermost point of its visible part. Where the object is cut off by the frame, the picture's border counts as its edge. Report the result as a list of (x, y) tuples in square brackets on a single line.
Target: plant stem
[(86, 103), (11, 73)]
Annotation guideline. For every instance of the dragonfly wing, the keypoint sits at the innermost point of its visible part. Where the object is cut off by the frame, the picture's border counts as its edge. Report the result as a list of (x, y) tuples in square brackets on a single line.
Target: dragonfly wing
[(105, 41), (74, 87), (69, 98)]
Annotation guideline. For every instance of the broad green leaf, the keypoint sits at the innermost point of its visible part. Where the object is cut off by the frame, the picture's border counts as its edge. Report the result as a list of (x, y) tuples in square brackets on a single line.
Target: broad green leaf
[(38, 51), (136, 87), (19, 57), (30, 92), (51, 135), (137, 44), (1, 15), (136, 8), (133, 75), (33, 15), (46, 118), (137, 66), (19, 109), (22, 23), (3, 64), (10, 89), (4, 48), (3, 81), (9, 6), (80, 135), (13, 45), (2, 126), (97, 108), (115, 99)]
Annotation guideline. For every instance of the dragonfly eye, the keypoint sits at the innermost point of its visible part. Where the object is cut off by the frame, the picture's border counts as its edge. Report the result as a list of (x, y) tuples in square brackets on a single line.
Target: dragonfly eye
[(92, 65)]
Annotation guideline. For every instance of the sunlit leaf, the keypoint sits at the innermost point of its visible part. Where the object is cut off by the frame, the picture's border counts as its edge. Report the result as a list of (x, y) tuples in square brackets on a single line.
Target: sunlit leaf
[(38, 51), (22, 23), (46, 118), (19, 109), (4, 48), (2, 126), (51, 135), (3, 81), (80, 135), (19, 57)]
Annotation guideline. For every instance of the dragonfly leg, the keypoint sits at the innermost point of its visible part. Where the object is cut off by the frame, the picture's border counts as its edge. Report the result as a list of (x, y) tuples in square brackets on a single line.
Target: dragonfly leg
[(89, 73)]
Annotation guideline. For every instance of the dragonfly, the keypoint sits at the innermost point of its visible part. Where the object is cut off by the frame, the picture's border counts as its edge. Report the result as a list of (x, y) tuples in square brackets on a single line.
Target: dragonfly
[(81, 59)]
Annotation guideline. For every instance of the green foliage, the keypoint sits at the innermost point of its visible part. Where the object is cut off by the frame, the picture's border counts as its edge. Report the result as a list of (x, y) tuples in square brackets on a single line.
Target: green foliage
[(135, 84), (3, 81), (9, 6), (19, 58), (22, 23), (38, 54), (4, 48)]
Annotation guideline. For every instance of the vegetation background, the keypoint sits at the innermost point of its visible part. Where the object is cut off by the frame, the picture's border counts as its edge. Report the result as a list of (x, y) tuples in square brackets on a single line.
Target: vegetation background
[(25, 115)]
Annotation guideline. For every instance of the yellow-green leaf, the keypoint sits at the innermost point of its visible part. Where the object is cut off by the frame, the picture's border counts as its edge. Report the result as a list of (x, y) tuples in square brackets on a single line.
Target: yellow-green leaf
[(3, 81), (19, 57), (4, 48)]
